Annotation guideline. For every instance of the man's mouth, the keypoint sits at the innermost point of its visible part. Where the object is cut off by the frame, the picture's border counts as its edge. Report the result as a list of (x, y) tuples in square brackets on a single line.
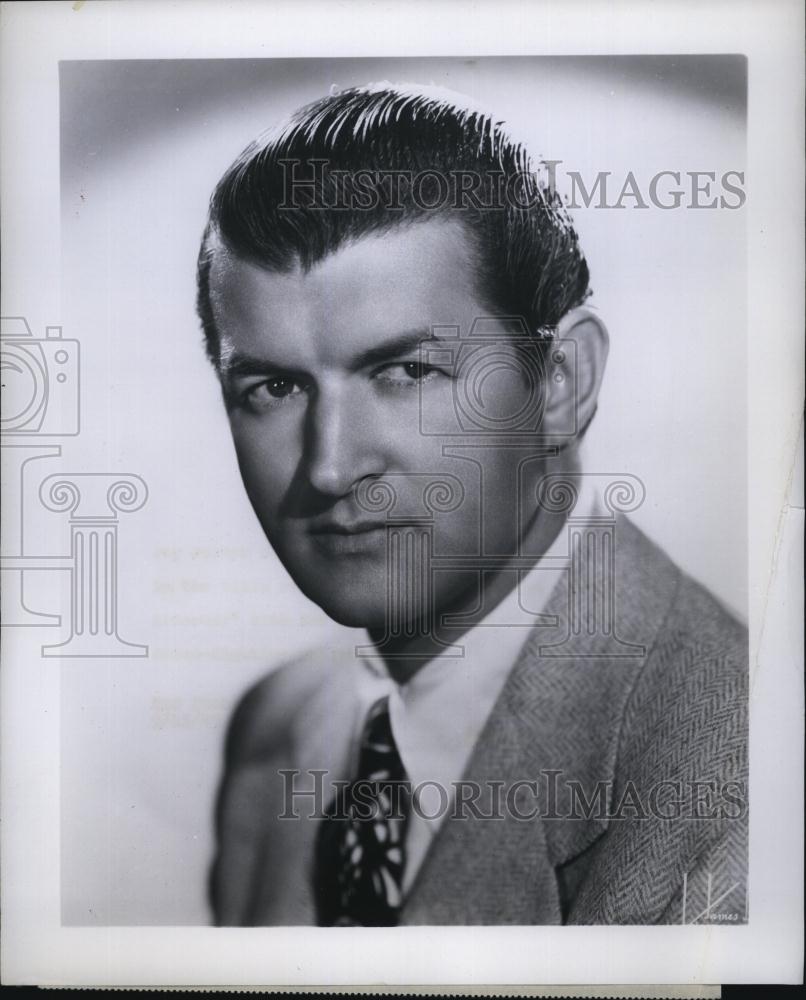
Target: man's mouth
[(347, 527), (352, 537), (339, 538)]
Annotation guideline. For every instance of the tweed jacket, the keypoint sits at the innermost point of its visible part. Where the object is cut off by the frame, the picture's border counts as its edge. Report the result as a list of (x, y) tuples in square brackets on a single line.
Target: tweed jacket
[(635, 738)]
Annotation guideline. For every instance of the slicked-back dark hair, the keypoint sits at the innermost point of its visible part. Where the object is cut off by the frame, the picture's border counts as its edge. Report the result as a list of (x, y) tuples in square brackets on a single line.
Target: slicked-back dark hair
[(342, 168)]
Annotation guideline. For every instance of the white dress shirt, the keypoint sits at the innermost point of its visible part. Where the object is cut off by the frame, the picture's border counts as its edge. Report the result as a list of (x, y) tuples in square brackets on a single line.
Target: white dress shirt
[(437, 716)]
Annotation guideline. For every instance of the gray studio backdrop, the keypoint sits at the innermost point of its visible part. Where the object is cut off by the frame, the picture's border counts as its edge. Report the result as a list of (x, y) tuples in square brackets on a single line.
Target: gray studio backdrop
[(143, 143)]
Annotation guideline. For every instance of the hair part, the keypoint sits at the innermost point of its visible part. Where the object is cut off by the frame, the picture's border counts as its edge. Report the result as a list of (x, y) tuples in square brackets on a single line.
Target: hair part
[(368, 159)]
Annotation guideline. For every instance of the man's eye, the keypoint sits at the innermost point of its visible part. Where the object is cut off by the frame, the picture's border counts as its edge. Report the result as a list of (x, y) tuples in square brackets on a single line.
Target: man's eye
[(279, 388), (406, 373), (272, 391)]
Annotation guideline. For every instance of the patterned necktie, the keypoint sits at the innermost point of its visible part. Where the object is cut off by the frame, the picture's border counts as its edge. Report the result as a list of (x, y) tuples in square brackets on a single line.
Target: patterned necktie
[(358, 868)]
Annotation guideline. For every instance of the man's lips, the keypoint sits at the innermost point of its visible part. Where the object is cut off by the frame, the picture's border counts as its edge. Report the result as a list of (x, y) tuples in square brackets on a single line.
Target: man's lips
[(349, 538), (346, 538), (346, 528)]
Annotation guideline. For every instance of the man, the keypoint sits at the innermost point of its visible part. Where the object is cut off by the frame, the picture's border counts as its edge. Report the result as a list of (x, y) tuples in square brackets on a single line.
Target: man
[(548, 724)]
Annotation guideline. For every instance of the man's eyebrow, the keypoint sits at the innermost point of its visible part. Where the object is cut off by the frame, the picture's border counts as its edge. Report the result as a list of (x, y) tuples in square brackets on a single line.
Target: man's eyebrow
[(235, 364), (405, 343)]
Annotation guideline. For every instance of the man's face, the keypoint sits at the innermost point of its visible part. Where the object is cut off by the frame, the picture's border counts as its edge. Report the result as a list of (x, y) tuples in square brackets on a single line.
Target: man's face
[(324, 385)]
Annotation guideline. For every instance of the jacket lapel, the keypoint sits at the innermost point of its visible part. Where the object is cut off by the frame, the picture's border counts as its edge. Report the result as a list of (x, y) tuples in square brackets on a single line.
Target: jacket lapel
[(476, 868)]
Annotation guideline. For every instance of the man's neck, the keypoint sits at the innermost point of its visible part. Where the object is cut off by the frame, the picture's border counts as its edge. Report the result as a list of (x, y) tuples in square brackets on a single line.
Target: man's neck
[(405, 656)]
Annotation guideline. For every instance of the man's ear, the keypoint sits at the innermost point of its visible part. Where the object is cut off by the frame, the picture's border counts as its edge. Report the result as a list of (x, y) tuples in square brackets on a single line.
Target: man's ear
[(577, 359)]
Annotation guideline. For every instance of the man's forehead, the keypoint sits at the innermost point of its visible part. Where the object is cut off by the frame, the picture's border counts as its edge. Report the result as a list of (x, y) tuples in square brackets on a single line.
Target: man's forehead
[(400, 246), (375, 287)]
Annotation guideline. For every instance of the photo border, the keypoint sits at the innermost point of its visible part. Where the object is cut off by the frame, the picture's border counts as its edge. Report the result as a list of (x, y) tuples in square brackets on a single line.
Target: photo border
[(35, 947)]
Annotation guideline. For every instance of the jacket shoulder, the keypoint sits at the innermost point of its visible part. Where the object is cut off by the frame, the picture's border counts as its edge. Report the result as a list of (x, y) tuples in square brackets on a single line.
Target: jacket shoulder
[(260, 721), (689, 701)]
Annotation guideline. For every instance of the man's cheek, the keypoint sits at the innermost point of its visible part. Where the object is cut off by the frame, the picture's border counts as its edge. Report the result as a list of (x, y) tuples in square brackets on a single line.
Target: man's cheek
[(263, 477)]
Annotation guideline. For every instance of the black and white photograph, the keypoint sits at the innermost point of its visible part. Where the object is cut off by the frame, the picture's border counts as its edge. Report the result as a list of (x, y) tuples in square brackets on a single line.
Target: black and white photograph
[(390, 534)]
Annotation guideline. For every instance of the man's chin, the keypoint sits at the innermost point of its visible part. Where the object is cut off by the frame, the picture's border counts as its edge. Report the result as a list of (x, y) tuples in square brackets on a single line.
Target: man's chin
[(354, 591), (352, 613), (362, 607), (350, 602)]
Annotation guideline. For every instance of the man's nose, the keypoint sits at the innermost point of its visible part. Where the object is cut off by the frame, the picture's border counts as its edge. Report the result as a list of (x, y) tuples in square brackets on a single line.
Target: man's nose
[(342, 444)]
